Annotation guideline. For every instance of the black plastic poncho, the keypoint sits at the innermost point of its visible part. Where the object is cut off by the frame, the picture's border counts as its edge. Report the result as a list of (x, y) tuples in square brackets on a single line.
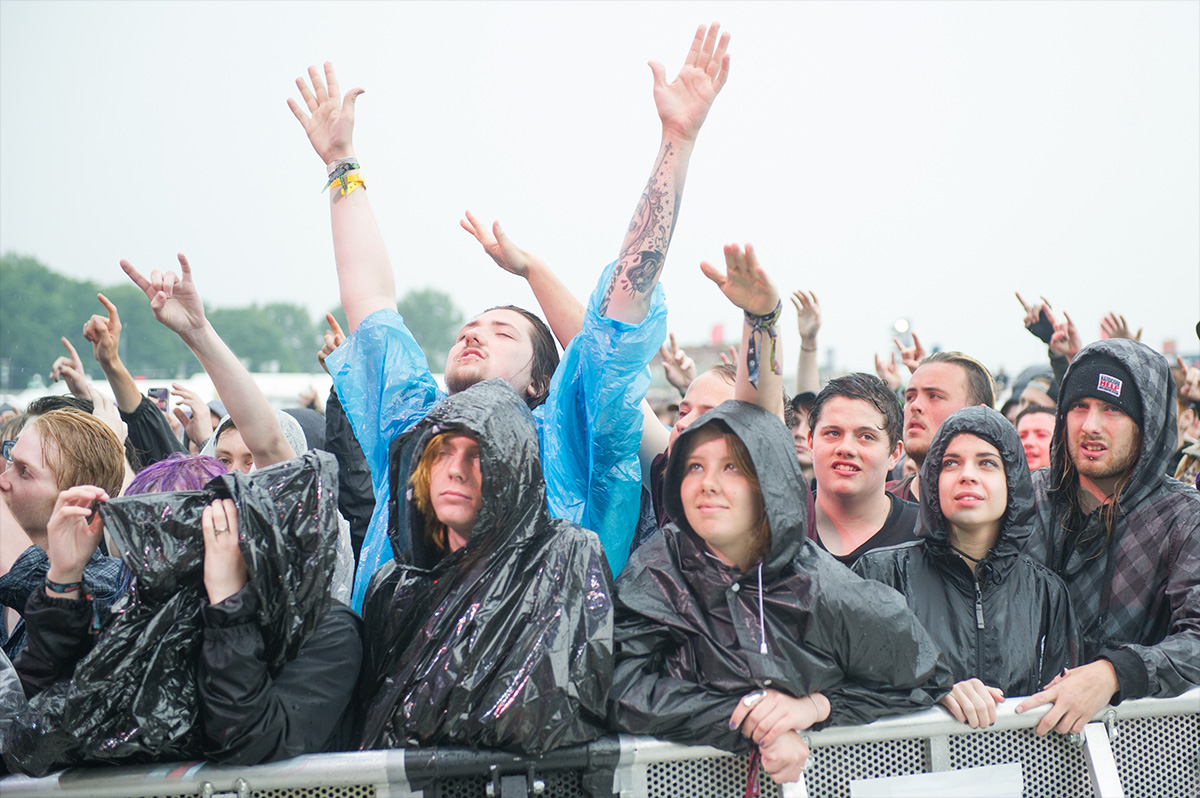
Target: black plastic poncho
[(1009, 624), (506, 643), (694, 635), (134, 697)]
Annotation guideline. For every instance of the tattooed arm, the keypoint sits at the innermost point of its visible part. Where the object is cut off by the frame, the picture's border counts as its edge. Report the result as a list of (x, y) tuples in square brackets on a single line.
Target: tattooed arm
[(682, 106)]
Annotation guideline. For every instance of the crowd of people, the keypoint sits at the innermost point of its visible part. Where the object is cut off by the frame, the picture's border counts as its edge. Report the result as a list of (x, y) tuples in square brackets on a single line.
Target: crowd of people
[(531, 559)]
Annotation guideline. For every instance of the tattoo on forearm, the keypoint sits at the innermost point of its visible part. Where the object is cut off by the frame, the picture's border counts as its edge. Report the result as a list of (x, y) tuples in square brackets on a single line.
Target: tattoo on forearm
[(649, 233)]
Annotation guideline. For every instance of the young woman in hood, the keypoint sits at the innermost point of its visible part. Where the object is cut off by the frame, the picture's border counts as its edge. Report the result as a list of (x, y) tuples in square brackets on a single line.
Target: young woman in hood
[(734, 630), (493, 627), (1003, 621)]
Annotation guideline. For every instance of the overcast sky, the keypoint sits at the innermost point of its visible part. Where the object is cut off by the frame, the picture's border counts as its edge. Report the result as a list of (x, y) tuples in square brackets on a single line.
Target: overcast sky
[(922, 160)]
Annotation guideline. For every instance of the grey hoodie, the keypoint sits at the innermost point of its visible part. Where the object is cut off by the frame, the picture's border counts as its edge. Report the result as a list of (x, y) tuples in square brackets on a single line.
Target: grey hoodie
[(1137, 593)]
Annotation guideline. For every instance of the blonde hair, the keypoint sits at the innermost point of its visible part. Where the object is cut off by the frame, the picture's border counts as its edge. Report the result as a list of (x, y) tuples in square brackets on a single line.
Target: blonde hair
[(85, 450)]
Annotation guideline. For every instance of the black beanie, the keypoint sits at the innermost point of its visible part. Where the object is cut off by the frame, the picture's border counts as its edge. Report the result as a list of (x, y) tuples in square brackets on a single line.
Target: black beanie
[(1103, 377)]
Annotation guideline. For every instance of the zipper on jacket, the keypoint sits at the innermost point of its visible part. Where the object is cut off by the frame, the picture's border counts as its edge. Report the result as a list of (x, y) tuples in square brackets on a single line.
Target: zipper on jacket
[(979, 626)]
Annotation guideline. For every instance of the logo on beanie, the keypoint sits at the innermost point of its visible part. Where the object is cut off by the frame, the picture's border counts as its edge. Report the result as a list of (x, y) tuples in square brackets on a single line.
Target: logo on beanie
[(1109, 385)]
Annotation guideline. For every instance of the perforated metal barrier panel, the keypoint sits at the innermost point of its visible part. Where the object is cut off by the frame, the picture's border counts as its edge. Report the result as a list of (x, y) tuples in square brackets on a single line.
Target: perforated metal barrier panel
[(1155, 744)]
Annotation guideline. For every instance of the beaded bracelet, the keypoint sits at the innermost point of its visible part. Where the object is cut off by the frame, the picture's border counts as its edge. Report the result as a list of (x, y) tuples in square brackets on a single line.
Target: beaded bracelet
[(757, 325)]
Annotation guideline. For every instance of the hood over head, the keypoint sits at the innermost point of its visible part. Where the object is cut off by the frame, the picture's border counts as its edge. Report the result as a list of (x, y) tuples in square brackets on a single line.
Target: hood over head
[(514, 491), (1019, 518), (1151, 376), (1025, 377), (291, 430), (774, 456)]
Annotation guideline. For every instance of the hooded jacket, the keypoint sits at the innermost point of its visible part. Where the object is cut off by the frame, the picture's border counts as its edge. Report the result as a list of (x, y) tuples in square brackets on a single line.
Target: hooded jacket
[(1013, 627), (694, 635), (1135, 592), (506, 643)]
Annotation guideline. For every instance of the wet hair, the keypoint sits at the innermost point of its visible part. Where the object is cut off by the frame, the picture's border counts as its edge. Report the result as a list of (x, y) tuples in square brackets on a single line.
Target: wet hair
[(867, 388), (178, 472), (1033, 410), (84, 451), (435, 531), (740, 456), (45, 404), (725, 371), (981, 388), (545, 355)]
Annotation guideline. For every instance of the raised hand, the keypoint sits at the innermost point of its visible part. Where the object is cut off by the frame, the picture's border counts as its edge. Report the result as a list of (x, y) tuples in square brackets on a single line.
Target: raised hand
[(974, 703), (174, 300), (1065, 341), (730, 356), (69, 368), (499, 247), (683, 103), (887, 371), (1190, 389), (333, 339), (679, 367), (198, 427), (1114, 326), (1033, 317), (224, 566), (73, 533), (744, 283), (808, 313), (329, 122), (104, 333), (910, 356)]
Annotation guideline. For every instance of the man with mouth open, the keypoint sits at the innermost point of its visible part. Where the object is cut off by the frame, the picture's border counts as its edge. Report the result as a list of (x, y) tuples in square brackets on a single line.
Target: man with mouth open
[(592, 399), (854, 437), (1123, 536), (944, 383)]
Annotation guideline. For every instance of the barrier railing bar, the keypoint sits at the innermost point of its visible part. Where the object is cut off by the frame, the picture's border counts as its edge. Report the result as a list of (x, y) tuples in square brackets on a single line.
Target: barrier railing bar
[(1102, 764)]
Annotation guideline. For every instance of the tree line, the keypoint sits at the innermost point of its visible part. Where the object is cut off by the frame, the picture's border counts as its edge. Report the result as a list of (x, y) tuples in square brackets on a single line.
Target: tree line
[(39, 306)]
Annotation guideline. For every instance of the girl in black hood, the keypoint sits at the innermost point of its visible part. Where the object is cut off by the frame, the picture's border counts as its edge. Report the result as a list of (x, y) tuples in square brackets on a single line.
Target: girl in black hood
[(1003, 621), (734, 630)]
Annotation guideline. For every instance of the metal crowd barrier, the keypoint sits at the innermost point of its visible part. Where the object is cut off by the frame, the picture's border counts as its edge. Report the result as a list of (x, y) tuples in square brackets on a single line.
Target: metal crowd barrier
[(1145, 748)]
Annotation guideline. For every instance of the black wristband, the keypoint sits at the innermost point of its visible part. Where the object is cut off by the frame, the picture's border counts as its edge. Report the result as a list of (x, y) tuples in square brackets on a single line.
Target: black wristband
[(62, 587)]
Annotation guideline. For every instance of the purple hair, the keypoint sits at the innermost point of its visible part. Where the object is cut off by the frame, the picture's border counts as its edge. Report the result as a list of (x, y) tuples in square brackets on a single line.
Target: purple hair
[(178, 472)]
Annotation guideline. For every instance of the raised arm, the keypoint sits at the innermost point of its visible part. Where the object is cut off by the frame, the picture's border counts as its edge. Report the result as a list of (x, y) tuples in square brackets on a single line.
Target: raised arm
[(563, 312), (746, 285), (176, 304), (808, 323), (104, 333), (682, 106), (365, 278)]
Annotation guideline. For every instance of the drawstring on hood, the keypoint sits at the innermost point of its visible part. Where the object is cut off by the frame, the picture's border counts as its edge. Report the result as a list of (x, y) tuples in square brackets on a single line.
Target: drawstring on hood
[(762, 619)]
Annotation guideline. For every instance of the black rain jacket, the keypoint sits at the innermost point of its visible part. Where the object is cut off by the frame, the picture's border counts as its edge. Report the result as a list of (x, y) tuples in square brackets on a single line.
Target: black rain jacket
[(151, 688), (506, 643), (1013, 628), (689, 628), (1136, 592)]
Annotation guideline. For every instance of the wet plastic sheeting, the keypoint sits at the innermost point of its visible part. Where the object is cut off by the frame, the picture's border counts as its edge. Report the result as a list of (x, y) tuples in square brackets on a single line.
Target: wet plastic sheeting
[(134, 697)]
